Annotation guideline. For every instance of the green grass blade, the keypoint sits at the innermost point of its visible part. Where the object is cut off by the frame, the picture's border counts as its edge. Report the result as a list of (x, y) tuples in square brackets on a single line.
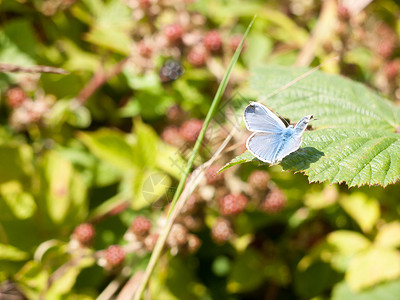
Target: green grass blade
[(218, 95)]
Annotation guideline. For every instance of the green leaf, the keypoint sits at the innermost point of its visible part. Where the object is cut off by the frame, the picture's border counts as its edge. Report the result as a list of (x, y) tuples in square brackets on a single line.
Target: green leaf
[(363, 209), (146, 147), (245, 274), (343, 245), (372, 266), (58, 174), (353, 156), (385, 291), (336, 101), (348, 242), (315, 279), (359, 147), (15, 162), (21, 204), (242, 158), (8, 252), (388, 235), (111, 146)]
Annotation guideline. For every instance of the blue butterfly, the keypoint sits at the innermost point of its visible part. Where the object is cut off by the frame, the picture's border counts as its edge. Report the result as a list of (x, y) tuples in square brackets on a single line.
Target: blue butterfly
[(271, 140)]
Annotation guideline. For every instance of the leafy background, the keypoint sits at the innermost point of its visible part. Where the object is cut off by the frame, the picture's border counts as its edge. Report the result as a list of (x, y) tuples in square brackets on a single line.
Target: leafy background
[(107, 143)]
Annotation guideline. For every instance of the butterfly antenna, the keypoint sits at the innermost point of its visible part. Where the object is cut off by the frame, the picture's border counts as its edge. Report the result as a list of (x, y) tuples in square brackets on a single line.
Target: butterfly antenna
[(289, 84), (284, 120)]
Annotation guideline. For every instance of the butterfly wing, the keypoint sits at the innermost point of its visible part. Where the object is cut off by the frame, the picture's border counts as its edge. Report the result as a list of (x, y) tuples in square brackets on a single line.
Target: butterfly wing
[(302, 125), (258, 118), (293, 142), (288, 147), (264, 145)]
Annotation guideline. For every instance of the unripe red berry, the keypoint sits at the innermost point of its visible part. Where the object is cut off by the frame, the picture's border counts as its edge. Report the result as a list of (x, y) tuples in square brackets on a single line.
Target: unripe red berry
[(193, 243), (177, 236), (84, 233), (190, 206), (192, 223), (343, 12), (233, 204), (222, 231), (259, 180), (274, 202), (235, 42), (144, 3), (150, 241), (197, 57), (15, 97), (141, 226), (144, 49), (175, 114), (190, 130), (213, 41), (173, 32), (212, 176), (392, 69), (386, 48), (114, 255), (171, 135)]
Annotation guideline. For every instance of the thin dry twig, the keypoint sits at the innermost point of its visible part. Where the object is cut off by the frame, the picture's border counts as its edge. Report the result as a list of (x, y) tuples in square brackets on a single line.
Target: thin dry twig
[(98, 79), (9, 68), (322, 31), (191, 184), (299, 78), (131, 286)]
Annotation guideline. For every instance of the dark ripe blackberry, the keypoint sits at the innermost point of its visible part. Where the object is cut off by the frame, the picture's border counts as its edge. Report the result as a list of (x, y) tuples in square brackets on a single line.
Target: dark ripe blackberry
[(171, 135), (144, 49), (232, 204), (170, 71), (173, 32), (141, 226), (114, 255), (274, 202), (193, 243), (259, 180), (213, 41), (392, 69), (84, 233), (222, 231), (15, 97), (212, 176), (175, 114), (177, 236), (190, 130), (150, 241)]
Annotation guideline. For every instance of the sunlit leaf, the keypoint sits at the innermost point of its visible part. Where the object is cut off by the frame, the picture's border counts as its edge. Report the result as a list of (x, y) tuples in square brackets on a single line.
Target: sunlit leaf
[(372, 266), (363, 209), (359, 147), (388, 235)]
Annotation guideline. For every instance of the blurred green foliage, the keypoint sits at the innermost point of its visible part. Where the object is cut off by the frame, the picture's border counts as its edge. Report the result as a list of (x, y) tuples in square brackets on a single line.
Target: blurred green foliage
[(108, 141)]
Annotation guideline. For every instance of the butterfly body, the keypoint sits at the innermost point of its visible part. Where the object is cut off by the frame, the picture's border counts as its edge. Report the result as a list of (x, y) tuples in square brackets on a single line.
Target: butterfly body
[(271, 140)]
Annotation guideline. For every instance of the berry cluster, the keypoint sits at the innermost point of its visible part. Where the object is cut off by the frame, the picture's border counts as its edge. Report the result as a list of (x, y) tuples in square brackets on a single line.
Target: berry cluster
[(84, 234), (24, 110), (182, 131)]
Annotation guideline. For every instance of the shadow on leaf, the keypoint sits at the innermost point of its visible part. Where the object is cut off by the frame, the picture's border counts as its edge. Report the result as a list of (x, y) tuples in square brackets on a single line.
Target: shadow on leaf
[(301, 159)]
